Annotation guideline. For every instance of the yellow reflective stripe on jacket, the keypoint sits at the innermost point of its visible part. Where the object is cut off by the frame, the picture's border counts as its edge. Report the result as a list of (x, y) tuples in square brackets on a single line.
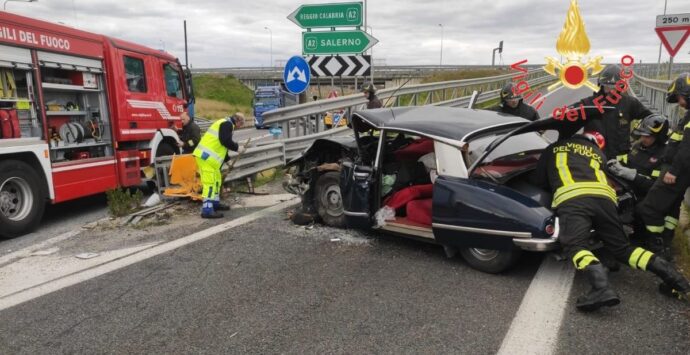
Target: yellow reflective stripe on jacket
[(677, 136), (671, 222), (211, 153), (567, 192), (656, 173), (600, 174), (655, 229), (639, 258), (623, 158), (563, 170), (687, 125)]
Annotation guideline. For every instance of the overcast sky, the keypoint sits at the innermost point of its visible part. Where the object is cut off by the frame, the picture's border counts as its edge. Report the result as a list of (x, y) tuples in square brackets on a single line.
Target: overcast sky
[(230, 33)]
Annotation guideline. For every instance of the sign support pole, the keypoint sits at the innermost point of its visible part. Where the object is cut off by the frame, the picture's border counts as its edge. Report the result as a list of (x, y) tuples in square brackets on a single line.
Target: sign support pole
[(670, 65), (658, 63), (186, 59)]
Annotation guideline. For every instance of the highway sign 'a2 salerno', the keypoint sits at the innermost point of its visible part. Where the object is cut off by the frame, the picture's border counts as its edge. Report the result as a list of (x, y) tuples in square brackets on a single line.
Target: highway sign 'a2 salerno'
[(328, 15), (336, 42)]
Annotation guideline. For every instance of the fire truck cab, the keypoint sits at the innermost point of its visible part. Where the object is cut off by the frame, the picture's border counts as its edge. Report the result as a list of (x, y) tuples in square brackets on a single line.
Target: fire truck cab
[(80, 113)]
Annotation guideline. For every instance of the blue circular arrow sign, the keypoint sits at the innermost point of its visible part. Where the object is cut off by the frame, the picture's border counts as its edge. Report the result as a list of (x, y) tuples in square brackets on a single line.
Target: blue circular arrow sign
[(296, 75)]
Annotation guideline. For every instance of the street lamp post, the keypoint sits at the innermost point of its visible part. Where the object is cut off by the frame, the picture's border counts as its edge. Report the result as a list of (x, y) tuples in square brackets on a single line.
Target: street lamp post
[(441, 60), (271, 34), (4, 5)]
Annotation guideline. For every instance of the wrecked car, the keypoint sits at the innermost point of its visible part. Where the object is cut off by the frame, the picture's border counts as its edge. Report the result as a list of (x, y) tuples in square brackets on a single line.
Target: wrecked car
[(460, 178)]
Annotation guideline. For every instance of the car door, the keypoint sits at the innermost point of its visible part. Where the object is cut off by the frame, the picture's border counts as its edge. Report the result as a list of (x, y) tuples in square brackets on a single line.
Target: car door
[(359, 189), (469, 212)]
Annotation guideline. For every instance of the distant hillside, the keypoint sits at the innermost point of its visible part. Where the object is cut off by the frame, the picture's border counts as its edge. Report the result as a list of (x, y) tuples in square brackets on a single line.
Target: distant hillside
[(462, 74), (219, 96)]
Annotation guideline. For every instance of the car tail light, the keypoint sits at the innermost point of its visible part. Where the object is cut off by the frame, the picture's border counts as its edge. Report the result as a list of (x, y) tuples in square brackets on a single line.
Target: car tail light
[(549, 229)]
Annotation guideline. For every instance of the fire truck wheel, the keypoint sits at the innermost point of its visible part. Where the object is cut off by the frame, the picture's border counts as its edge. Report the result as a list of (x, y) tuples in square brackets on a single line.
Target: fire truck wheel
[(164, 149), (22, 198)]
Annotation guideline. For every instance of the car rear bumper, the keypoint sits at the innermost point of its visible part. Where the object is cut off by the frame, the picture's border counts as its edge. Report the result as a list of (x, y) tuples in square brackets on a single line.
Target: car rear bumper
[(540, 244)]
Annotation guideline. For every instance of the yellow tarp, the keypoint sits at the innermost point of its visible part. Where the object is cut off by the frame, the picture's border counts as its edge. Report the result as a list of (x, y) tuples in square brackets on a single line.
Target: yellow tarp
[(184, 178)]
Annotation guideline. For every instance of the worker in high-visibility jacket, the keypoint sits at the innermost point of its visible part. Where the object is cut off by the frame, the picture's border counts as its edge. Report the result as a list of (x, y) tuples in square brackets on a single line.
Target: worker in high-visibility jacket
[(210, 154), (583, 200), (660, 208)]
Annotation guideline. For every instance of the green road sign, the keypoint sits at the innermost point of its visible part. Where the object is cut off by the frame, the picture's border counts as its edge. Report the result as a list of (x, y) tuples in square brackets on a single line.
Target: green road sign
[(328, 15), (336, 42)]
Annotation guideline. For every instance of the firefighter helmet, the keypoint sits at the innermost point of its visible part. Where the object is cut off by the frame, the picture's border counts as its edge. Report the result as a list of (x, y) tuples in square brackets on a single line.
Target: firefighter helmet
[(596, 137), (508, 93), (369, 87), (680, 86), (610, 75), (653, 125)]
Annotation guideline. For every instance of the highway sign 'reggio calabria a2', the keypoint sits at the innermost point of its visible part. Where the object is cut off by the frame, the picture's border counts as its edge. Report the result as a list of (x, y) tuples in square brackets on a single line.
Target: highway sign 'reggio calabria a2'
[(296, 75), (328, 15), (673, 30)]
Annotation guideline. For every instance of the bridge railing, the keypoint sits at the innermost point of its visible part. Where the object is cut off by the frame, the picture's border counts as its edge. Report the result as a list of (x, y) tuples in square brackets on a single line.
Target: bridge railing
[(652, 92), (307, 119)]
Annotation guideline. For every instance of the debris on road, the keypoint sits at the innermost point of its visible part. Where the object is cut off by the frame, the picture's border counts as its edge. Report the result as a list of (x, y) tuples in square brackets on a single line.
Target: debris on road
[(153, 200), (87, 255), (45, 252), (335, 239), (136, 217)]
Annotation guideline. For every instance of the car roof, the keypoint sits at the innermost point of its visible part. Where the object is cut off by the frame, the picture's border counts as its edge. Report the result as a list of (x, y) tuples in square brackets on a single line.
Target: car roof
[(444, 122)]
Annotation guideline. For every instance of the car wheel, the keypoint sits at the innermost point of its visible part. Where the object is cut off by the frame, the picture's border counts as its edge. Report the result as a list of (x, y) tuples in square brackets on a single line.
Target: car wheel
[(22, 198), (329, 201), (490, 260)]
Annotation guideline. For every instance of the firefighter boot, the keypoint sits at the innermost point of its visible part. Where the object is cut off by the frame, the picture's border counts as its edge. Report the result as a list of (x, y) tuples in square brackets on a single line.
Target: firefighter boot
[(667, 237), (207, 211), (601, 293), (675, 284)]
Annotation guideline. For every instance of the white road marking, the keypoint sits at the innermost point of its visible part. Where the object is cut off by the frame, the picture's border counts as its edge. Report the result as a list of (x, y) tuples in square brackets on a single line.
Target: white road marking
[(120, 262), (535, 328)]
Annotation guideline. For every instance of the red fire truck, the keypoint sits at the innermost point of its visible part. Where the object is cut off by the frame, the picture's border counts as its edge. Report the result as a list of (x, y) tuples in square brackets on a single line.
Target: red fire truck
[(80, 113)]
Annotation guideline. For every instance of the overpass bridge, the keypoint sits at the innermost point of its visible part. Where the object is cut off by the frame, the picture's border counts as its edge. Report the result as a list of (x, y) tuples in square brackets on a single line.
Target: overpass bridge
[(394, 75), (383, 76)]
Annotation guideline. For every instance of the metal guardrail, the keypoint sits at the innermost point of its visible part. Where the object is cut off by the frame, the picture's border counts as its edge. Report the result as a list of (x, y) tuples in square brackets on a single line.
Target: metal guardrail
[(293, 146), (652, 93), (297, 120), (257, 159)]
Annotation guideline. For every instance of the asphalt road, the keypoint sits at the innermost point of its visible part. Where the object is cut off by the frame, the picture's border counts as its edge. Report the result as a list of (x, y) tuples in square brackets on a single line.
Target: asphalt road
[(271, 287)]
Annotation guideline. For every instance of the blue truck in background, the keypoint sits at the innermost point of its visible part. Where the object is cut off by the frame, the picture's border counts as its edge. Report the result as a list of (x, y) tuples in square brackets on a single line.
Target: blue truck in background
[(267, 98)]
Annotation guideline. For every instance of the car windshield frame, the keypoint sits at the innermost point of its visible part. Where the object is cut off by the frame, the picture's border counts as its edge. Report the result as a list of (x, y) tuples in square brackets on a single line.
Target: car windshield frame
[(524, 142)]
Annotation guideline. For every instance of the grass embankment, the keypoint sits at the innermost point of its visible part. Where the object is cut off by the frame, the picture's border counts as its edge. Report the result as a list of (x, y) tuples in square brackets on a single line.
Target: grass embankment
[(218, 96), (681, 242)]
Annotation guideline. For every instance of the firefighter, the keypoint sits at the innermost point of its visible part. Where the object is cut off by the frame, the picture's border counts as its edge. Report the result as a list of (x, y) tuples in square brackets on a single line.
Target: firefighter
[(190, 135), (659, 210), (369, 91), (644, 162), (614, 123), (583, 200), (512, 104), (210, 155)]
